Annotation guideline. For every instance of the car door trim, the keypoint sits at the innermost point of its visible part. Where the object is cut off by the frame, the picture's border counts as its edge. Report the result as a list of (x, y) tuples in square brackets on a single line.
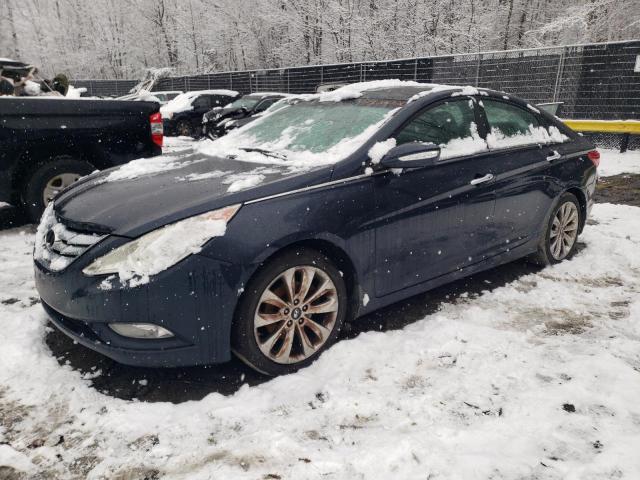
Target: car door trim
[(317, 187)]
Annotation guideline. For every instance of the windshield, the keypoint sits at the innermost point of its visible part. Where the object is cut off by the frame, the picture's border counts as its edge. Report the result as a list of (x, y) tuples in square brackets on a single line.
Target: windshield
[(304, 133), (246, 102)]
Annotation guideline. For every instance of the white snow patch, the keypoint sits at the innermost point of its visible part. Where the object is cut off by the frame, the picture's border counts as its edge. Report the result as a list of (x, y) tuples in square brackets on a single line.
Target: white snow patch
[(497, 139), (242, 181), (612, 162), (13, 459), (380, 149), (474, 390), (194, 177), (145, 166), (365, 300), (466, 90), (163, 246), (463, 146), (32, 88)]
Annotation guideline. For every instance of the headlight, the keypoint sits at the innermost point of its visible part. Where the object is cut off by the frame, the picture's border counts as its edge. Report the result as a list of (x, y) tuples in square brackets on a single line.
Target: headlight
[(204, 118), (136, 261)]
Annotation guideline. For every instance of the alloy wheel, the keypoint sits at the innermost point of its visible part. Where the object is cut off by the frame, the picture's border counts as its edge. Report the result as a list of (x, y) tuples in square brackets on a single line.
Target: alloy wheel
[(296, 314), (564, 230), (56, 184)]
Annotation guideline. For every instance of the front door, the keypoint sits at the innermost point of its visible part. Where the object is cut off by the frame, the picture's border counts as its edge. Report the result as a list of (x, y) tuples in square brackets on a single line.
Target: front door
[(435, 220)]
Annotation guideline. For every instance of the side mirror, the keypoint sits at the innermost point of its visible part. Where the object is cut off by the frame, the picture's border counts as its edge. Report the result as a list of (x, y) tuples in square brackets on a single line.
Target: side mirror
[(411, 155)]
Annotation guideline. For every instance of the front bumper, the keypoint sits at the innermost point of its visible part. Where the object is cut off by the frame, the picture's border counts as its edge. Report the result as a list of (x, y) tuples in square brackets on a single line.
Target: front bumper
[(195, 300)]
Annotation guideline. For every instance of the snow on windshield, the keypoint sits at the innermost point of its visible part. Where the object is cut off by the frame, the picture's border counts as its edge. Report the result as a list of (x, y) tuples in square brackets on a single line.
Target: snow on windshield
[(303, 135)]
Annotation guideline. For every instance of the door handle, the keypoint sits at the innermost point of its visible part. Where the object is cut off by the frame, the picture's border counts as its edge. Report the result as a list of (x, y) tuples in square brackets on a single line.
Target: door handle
[(554, 156), (487, 178)]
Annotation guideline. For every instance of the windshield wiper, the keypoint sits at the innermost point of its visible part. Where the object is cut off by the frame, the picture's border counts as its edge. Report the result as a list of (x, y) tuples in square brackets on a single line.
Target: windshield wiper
[(267, 153)]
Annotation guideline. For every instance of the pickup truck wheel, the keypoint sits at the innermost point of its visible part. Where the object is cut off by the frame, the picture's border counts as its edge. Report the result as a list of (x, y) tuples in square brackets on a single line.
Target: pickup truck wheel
[(50, 179)]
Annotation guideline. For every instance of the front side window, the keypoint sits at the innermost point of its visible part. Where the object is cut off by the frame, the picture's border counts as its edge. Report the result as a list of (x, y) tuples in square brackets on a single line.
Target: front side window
[(201, 102), (450, 125), (512, 126), (265, 104)]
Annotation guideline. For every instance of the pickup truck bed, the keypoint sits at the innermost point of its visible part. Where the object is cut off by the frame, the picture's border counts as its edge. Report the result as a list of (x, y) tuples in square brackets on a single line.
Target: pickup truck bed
[(45, 142)]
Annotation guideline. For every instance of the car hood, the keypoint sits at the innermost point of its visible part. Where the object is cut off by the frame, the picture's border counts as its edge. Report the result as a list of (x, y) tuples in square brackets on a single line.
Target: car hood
[(145, 194)]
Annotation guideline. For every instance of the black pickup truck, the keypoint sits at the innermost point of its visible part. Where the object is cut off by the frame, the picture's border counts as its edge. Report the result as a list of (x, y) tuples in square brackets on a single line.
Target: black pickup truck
[(47, 143)]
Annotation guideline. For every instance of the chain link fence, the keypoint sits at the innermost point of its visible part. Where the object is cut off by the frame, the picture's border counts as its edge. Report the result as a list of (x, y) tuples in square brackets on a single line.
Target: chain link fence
[(598, 81), (594, 81)]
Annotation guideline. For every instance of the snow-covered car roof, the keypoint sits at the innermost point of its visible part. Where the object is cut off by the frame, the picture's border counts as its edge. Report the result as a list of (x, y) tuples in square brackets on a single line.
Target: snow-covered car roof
[(183, 102), (386, 89), (267, 94)]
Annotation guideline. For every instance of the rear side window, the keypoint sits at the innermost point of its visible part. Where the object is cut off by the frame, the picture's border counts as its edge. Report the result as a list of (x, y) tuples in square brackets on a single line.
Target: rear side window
[(512, 126), (451, 125)]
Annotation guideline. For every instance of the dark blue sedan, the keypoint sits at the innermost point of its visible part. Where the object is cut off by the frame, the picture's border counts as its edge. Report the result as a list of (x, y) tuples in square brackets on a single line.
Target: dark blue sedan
[(264, 242)]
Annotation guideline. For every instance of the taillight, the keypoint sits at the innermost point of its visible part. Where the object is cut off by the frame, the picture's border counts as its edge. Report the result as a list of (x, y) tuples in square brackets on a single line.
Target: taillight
[(594, 156), (157, 132)]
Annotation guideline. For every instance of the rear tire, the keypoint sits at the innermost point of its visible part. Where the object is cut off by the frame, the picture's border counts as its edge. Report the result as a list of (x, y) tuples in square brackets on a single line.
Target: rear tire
[(561, 233), (49, 179), (277, 329)]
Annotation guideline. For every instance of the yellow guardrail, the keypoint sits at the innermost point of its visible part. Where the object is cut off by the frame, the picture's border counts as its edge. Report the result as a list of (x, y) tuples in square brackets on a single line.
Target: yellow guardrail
[(604, 126)]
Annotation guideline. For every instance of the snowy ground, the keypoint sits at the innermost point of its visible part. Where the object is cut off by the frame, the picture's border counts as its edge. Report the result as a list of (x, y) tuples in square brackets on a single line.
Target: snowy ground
[(612, 162), (536, 379)]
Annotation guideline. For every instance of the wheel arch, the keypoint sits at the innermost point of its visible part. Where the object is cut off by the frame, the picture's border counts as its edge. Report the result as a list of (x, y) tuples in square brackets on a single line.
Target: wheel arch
[(331, 250), (582, 202)]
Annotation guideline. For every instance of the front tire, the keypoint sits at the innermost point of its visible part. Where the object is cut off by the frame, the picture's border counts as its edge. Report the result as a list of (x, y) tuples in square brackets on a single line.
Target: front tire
[(292, 310), (50, 179), (184, 129), (561, 234)]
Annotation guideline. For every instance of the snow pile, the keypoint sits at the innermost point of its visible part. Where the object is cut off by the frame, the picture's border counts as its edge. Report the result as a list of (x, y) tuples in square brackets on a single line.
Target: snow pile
[(162, 248), (32, 88), (463, 146), (52, 260), (497, 139), (534, 379), (74, 92), (380, 149), (145, 166), (612, 162), (242, 181)]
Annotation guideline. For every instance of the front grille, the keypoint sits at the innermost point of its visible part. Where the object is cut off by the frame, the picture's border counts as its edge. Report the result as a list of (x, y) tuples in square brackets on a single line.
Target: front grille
[(57, 245)]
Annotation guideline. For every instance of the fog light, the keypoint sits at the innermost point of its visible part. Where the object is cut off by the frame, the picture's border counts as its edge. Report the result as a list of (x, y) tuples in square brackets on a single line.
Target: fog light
[(140, 330)]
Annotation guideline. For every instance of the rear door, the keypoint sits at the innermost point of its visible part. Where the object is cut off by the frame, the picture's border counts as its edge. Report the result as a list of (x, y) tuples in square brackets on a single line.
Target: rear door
[(517, 140), (435, 220)]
